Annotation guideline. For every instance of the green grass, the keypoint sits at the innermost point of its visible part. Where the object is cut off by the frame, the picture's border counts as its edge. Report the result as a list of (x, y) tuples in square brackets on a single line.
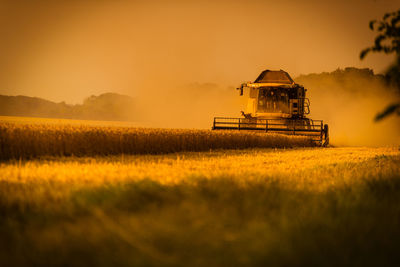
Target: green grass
[(342, 208)]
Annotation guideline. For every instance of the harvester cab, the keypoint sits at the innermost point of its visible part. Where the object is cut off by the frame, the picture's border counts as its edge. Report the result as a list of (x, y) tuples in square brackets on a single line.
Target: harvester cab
[(275, 103)]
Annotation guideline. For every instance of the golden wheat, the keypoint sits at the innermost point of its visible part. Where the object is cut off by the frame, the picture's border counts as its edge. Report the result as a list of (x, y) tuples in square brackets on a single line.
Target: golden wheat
[(24, 140), (257, 207)]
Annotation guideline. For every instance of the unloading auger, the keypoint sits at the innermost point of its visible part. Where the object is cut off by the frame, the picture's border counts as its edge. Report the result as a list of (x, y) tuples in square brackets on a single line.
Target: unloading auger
[(275, 104)]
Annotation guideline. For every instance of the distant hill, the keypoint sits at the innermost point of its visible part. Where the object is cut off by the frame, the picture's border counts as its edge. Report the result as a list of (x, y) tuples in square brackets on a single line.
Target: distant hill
[(350, 80), (108, 106), (348, 100)]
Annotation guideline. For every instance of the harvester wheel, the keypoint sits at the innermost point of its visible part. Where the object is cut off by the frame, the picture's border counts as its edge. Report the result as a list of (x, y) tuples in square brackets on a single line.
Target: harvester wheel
[(326, 135)]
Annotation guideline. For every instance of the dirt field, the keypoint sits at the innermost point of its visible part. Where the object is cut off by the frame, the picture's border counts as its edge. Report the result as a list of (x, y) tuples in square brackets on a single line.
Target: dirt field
[(261, 207)]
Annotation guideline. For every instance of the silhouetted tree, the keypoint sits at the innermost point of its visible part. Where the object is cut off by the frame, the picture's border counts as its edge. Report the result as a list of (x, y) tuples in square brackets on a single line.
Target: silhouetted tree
[(388, 42)]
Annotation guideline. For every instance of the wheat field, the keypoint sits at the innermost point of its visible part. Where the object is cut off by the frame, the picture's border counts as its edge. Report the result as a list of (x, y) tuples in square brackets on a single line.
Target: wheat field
[(257, 207), (21, 138), (279, 206)]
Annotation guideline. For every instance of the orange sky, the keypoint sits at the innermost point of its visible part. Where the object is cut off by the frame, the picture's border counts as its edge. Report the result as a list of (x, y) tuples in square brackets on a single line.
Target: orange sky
[(68, 50)]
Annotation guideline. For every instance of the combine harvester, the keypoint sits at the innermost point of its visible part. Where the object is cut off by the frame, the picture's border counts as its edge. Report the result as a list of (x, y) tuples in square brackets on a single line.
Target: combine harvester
[(276, 104)]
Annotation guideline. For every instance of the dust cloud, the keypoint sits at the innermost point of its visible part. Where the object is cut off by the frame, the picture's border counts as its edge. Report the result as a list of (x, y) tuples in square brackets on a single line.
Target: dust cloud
[(348, 101), (187, 106)]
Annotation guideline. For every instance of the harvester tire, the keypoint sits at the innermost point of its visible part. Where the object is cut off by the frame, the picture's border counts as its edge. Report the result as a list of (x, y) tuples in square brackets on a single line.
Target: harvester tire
[(326, 135)]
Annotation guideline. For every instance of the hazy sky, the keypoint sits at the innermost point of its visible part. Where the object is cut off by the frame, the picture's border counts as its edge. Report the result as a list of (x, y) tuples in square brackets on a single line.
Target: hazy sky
[(68, 50)]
